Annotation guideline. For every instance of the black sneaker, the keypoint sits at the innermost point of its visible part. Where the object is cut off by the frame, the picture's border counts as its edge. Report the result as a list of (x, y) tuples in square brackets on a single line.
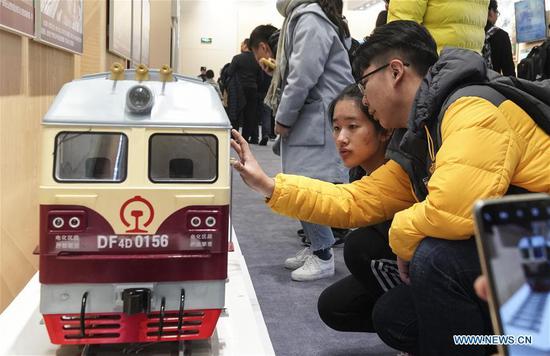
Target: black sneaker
[(305, 241), (301, 233), (339, 233), (339, 236), (263, 141), (339, 242)]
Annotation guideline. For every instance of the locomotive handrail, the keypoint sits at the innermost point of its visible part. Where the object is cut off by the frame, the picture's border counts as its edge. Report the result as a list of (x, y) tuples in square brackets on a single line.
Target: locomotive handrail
[(161, 316), (83, 314), (180, 312)]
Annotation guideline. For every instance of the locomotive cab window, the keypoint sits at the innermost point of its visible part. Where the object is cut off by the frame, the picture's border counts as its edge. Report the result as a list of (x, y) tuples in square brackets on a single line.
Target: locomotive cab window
[(183, 158), (90, 157)]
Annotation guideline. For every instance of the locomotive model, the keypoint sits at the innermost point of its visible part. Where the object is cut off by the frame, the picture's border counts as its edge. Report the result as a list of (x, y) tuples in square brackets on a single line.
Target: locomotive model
[(135, 190)]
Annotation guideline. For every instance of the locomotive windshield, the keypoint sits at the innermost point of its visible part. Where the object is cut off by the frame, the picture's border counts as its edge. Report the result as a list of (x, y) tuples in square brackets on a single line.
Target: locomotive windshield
[(90, 157), (176, 158)]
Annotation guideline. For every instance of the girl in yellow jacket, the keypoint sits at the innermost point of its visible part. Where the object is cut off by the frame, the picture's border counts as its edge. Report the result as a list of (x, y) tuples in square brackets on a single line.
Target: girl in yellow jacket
[(453, 23)]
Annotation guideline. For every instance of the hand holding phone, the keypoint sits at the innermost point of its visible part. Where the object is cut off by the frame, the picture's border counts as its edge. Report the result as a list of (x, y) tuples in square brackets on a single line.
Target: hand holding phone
[(513, 240)]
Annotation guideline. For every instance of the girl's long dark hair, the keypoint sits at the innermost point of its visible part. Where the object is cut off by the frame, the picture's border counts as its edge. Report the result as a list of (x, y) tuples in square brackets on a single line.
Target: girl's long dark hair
[(334, 9)]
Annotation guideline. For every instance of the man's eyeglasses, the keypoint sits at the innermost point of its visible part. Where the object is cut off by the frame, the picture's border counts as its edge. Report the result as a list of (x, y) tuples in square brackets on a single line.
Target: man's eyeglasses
[(361, 83)]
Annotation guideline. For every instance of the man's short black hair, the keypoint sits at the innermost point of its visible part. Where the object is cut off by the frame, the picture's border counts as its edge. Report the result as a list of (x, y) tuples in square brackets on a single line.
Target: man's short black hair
[(403, 39), (493, 5), (261, 33), (209, 74)]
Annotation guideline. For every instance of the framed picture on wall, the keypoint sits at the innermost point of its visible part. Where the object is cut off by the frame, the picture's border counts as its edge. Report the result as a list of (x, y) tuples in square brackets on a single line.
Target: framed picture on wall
[(59, 24), (17, 16), (120, 28)]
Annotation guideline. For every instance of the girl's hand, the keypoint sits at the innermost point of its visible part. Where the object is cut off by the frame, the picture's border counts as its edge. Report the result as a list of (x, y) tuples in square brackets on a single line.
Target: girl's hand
[(249, 169)]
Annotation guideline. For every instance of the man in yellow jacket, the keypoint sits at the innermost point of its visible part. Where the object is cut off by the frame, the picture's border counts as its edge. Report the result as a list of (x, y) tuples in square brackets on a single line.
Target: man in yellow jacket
[(444, 155), (453, 23)]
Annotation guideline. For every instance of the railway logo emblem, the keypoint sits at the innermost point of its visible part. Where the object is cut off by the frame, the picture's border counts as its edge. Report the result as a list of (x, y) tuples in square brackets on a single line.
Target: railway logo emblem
[(139, 211)]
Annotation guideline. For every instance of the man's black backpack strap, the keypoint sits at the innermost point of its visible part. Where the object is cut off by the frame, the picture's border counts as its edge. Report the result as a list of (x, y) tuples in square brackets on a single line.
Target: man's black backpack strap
[(531, 97), (478, 90)]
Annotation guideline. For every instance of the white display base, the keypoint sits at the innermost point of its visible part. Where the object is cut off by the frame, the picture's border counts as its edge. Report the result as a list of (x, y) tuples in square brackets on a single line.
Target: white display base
[(240, 331)]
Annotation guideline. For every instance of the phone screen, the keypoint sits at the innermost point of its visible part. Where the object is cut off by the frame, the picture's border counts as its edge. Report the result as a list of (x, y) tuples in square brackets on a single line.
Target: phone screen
[(516, 239)]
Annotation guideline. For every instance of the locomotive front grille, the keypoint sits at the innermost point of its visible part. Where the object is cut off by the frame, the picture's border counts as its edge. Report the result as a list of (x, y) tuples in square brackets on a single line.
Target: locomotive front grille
[(123, 328), (191, 324)]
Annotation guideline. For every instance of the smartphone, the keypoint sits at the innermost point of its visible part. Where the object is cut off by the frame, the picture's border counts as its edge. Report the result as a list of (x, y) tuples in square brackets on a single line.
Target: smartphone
[(513, 240)]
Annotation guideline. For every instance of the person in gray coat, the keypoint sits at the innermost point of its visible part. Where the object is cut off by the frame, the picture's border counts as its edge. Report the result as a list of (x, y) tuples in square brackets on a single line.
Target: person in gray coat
[(312, 69)]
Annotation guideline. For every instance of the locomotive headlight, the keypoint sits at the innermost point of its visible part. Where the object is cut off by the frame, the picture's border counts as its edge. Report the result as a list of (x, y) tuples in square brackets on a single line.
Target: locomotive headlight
[(139, 100), (210, 221), (74, 222), (58, 222), (195, 221)]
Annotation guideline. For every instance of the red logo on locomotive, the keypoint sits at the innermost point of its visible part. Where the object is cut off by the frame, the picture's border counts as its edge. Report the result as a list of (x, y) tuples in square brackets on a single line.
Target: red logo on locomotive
[(139, 206)]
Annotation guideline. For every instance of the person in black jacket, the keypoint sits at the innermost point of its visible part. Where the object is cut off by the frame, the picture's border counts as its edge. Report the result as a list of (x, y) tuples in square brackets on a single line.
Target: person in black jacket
[(263, 44), (245, 67), (497, 50)]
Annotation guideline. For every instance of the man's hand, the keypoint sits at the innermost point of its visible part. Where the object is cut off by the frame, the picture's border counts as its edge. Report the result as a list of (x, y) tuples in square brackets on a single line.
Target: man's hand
[(403, 267), (249, 169), (281, 130), (481, 287)]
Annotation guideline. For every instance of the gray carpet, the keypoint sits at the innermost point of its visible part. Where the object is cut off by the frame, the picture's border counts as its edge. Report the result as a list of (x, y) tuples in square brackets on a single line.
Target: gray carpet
[(289, 308)]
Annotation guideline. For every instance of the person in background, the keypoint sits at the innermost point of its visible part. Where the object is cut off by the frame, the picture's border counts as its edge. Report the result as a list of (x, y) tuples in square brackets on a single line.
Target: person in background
[(347, 304), (245, 67), (441, 160), (497, 49), (382, 18), (263, 44), (202, 75), (456, 23), (312, 67), (210, 80)]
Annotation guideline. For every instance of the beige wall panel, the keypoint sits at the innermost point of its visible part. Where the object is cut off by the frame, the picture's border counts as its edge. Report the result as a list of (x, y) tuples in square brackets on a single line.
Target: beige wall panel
[(159, 37), (49, 68), (95, 15), (10, 64), (20, 268), (20, 145), (5, 295)]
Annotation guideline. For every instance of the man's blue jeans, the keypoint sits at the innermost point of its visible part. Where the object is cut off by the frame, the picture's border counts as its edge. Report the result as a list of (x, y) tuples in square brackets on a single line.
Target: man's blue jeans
[(440, 302)]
